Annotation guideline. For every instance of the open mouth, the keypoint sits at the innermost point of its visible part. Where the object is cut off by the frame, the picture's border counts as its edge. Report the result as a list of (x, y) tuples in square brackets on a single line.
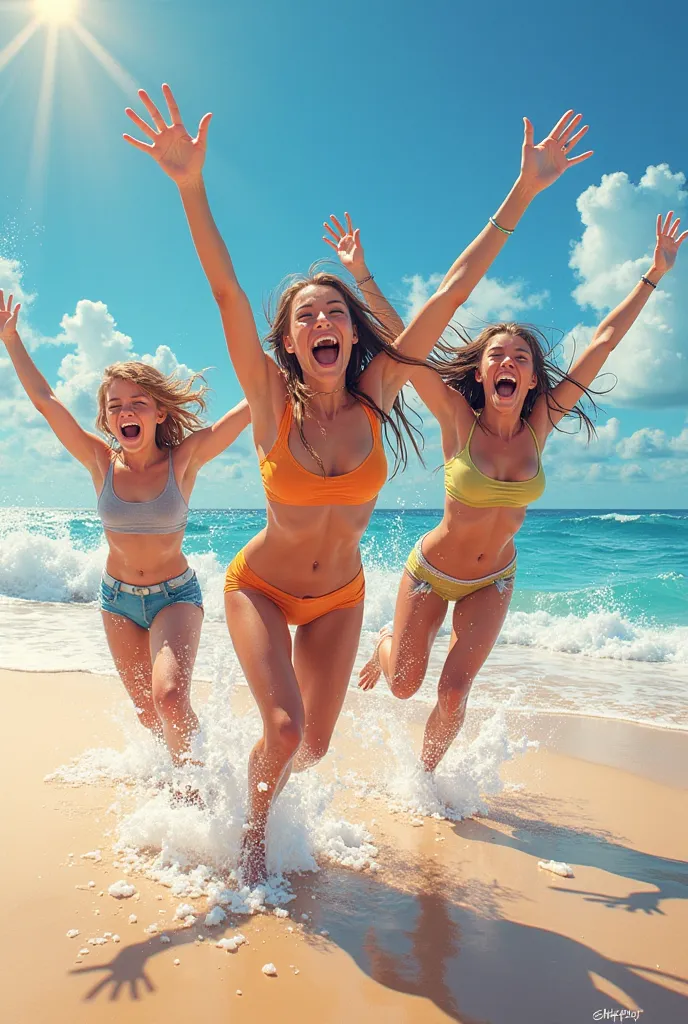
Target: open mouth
[(326, 350), (505, 385), (131, 430)]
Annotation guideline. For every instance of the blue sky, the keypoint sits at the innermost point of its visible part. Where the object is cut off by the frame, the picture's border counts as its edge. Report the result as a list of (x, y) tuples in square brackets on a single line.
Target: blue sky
[(409, 116)]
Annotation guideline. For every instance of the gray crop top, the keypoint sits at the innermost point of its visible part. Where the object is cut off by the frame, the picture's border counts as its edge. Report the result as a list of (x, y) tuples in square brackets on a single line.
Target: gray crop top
[(167, 513)]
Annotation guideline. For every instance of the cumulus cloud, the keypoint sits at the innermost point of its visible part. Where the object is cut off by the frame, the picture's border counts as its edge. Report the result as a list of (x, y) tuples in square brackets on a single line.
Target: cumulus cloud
[(491, 300), (647, 454), (618, 216)]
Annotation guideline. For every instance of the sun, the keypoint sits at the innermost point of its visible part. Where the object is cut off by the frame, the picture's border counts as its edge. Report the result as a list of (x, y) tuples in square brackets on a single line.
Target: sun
[(56, 12)]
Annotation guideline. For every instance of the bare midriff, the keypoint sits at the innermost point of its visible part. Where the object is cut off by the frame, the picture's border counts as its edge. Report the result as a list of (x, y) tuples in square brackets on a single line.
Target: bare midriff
[(142, 559), (308, 552), (473, 542)]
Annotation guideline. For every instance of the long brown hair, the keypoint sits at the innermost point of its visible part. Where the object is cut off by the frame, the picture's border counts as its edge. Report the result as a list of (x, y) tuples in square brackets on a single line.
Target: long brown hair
[(172, 393), (457, 368), (373, 337)]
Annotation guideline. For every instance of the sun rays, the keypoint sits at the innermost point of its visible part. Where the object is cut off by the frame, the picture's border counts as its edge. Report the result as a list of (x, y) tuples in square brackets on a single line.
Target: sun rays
[(50, 19)]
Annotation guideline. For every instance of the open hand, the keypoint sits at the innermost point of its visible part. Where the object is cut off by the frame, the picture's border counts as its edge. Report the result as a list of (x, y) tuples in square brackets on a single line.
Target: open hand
[(668, 242), (543, 164), (180, 156), (346, 242), (8, 318)]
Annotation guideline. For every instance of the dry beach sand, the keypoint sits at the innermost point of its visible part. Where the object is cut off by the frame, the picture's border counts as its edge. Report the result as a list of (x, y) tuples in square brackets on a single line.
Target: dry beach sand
[(458, 923)]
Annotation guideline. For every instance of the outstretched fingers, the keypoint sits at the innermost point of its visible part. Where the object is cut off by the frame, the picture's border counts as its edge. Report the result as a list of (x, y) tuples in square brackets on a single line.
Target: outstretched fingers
[(342, 230), (175, 116), (147, 147), (140, 123), (158, 119), (528, 132), (560, 125), (203, 128)]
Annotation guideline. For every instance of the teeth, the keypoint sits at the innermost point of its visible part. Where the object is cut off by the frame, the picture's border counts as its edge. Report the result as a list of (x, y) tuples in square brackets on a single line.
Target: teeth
[(326, 340), (512, 380)]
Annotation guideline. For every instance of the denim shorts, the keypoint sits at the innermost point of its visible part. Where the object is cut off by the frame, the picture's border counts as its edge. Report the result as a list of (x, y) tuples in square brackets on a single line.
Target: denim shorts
[(142, 605)]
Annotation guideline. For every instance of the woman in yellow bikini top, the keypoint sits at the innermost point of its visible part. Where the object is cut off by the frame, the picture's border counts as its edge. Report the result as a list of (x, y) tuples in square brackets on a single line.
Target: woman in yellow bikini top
[(496, 399)]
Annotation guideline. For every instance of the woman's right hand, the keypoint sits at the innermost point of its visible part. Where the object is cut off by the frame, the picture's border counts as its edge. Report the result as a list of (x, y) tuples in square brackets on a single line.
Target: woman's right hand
[(8, 319), (179, 156)]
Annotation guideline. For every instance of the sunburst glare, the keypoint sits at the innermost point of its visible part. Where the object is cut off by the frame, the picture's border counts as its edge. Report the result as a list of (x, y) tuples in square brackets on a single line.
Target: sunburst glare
[(56, 12)]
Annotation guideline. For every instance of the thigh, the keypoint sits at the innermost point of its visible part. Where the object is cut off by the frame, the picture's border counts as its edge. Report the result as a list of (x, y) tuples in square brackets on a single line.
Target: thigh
[(324, 655), (130, 649), (477, 622), (174, 636), (417, 619), (262, 643)]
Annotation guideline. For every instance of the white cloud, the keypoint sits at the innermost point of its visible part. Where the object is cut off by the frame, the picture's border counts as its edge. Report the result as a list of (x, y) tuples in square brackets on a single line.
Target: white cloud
[(651, 362), (491, 299), (647, 454)]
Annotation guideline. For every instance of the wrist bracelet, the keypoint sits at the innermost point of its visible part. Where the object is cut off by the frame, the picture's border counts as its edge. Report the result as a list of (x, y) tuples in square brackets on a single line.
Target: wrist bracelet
[(646, 280), (364, 280), (505, 231)]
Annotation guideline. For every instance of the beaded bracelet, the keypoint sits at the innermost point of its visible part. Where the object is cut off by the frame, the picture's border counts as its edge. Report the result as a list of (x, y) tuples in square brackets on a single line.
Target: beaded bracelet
[(364, 280), (505, 231), (646, 280)]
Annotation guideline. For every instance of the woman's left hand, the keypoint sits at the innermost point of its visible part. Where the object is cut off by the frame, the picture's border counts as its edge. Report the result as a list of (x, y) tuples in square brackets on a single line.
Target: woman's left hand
[(346, 242), (543, 164), (668, 242)]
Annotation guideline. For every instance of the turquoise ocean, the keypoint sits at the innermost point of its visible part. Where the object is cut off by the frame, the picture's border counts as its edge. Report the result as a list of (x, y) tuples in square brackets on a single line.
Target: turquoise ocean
[(598, 624)]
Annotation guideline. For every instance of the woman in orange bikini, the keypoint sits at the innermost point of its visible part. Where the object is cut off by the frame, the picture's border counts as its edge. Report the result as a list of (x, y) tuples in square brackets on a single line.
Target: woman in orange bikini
[(317, 409), (497, 400)]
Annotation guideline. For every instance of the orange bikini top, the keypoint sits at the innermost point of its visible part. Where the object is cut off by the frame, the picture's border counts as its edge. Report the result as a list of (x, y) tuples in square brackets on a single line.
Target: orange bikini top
[(286, 481)]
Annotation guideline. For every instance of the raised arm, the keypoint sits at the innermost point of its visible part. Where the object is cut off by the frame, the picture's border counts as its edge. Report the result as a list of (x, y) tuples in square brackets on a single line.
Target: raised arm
[(79, 442), (182, 158), (610, 332), (204, 445), (346, 242), (541, 165)]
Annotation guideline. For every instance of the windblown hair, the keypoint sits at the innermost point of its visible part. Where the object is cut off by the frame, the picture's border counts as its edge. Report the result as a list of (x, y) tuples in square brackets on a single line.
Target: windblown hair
[(373, 337), (457, 368), (173, 394)]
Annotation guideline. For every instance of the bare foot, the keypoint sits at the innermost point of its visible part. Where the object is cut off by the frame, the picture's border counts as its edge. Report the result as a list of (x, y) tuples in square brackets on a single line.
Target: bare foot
[(252, 867), (372, 670)]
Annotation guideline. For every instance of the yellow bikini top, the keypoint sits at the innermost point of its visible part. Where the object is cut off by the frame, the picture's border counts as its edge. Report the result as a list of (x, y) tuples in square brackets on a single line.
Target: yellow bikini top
[(464, 481)]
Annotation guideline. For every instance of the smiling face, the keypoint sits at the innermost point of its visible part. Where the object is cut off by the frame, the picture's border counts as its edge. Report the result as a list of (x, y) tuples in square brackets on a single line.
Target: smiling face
[(506, 372), (321, 335), (132, 416)]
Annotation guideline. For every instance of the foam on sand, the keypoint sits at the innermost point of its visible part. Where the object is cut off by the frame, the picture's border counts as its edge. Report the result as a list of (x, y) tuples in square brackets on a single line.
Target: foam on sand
[(193, 851)]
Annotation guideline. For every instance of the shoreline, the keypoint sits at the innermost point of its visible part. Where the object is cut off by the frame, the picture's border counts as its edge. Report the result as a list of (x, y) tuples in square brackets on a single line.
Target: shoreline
[(452, 905)]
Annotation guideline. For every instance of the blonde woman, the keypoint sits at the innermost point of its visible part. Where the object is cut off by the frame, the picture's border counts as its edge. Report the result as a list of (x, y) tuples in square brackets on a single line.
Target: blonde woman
[(143, 474)]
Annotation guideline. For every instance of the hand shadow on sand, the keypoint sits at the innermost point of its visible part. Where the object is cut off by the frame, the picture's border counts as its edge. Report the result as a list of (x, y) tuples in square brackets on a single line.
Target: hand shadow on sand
[(127, 968), (431, 943), (476, 969), (547, 841)]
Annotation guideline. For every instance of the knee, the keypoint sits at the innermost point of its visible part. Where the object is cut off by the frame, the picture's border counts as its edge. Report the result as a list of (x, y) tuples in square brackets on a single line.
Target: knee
[(310, 752), (284, 732), (170, 696), (452, 695), (406, 678)]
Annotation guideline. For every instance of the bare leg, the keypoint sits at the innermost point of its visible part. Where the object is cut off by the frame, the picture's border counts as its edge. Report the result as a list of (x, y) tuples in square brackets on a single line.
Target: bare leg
[(130, 650), (477, 621), (262, 643), (324, 655), (404, 656), (174, 636)]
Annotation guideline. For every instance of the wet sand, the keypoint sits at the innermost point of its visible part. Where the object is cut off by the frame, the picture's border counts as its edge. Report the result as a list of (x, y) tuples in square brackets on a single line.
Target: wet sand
[(459, 924)]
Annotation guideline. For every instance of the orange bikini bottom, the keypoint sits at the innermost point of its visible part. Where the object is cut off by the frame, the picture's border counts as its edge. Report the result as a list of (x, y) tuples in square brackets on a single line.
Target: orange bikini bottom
[(298, 611)]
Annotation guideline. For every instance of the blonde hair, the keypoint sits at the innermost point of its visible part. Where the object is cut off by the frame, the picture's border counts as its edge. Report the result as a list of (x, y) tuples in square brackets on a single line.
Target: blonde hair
[(171, 393)]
